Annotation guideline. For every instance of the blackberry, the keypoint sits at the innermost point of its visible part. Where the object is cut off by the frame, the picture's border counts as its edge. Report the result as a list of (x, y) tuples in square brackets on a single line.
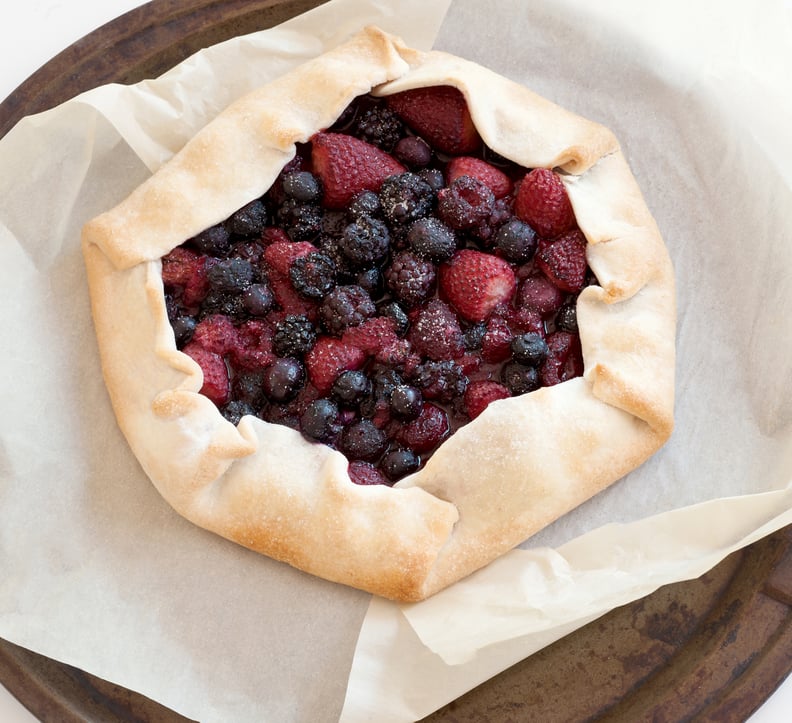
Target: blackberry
[(214, 241), (519, 378), (465, 203), (249, 250), (473, 336), (350, 388), (258, 299), (371, 280), (183, 329), (302, 186), (431, 239), (366, 203), (398, 463), (334, 223), (486, 229), (566, 318), (301, 221), (235, 410), (392, 310), (313, 275), (384, 380), (405, 198), (249, 220), (362, 440), (379, 126), (516, 241), (283, 379), (345, 306), (440, 380), (410, 279), (248, 386), (233, 274), (223, 302), (413, 152), (406, 402), (529, 349), (294, 336), (320, 420), (364, 242)]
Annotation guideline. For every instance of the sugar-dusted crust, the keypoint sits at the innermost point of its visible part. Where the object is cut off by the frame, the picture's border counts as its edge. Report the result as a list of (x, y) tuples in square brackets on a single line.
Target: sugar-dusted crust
[(520, 465)]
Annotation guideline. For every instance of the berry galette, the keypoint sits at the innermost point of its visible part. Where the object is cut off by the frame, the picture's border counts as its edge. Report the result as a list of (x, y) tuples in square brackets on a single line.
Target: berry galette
[(386, 317)]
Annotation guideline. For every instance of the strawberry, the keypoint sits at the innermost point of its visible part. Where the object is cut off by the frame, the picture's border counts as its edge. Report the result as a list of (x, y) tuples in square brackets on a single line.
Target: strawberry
[(474, 283), (216, 384), (564, 263), (328, 358), (440, 115), (497, 181), (543, 203), (347, 166), (479, 394)]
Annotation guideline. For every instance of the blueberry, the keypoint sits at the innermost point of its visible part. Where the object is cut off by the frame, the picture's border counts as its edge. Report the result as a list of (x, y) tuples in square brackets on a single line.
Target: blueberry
[(398, 463), (319, 421), (406, 402), (362, 440), (235, 410), (431, 239), (183, 328), (519, 378), (530, 349), (413, 152), (283, 379), (258, 300), (516, 241), (302, 186)]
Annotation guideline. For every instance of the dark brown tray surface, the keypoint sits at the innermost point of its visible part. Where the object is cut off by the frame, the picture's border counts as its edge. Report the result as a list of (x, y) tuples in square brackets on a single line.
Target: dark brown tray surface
[(712, 649)]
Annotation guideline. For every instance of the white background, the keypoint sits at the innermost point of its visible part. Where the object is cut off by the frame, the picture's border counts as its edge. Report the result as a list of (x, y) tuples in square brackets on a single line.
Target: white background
[(30, 35)]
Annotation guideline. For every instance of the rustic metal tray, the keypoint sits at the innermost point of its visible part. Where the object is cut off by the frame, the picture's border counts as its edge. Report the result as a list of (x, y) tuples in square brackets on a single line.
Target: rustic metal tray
[(711, 649)]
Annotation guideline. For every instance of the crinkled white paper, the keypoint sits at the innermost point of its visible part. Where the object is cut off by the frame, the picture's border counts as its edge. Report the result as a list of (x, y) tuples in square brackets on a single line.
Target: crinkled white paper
[(99, 572)]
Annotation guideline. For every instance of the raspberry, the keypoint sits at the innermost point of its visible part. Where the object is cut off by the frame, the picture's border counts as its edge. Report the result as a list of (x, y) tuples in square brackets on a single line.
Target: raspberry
[(365, 473), (373, 335), (253, 348), (435, 332), (539, 294), (328, 358), (542, 202), (410, 278), (279, 256), (495, 346), (480, 394), (475, 283), (344, 307), (466, 203), (216, 385), (564, 262), (215, 333), (564, 359), (426, 431)]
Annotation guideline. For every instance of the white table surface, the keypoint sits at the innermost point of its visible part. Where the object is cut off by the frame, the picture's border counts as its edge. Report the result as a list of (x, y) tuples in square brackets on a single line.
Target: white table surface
[(33, 32)]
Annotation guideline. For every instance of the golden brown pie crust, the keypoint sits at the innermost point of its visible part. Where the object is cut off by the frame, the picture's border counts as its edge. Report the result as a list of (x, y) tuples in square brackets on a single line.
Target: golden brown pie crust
[(520, 465)]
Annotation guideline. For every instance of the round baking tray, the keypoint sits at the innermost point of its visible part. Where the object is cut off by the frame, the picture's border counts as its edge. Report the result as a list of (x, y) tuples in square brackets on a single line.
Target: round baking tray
[(711, 649)]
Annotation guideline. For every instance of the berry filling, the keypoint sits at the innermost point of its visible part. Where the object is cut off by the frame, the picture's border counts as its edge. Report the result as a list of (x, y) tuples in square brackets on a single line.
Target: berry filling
[(397, 278)]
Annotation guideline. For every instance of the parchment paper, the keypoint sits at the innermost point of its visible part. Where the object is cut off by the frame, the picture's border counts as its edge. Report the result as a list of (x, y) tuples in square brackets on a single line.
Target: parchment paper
[(97, 571)]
